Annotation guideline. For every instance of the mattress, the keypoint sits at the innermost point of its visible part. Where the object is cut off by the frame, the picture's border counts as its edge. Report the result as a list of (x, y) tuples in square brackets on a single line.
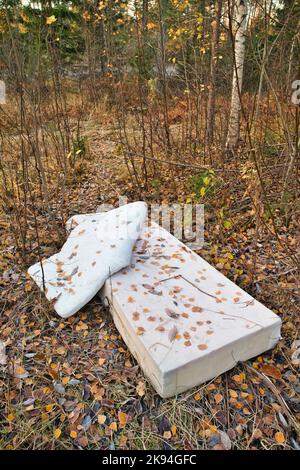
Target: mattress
[(183, 321)]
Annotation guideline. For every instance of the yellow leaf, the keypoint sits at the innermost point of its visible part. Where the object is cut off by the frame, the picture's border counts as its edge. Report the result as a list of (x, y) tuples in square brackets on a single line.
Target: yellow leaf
[(113, 426), (237, 378), (24, 17), (167, 435), (56, 433), (122, 419), (151, 25), (101, 419), (73, 434), (22, 28), (279, 437), (50, 19), (49, 408), (233, 393), (174, 429), (61, 350), (197, 396), (11, 417)]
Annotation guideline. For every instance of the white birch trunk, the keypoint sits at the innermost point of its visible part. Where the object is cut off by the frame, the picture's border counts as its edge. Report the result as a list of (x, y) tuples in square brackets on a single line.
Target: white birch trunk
[(238, 69)]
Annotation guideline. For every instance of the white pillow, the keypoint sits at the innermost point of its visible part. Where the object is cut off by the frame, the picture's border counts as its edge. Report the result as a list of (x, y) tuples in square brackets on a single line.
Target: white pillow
[(100, 245)]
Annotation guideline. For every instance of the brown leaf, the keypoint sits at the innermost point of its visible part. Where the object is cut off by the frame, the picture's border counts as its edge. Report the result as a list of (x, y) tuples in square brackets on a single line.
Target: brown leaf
[(218, 398), (271, 371), (83, 441), (171, 313), (197, 309), (172, 333), (141, 389)]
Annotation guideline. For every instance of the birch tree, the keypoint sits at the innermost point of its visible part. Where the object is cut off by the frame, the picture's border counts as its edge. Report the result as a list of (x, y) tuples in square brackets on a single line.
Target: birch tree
[(240, 26)]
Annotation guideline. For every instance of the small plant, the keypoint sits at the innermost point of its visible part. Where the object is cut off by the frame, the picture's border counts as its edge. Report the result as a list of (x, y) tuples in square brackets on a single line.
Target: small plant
[(79, 149), (204, 184), (155, 183)]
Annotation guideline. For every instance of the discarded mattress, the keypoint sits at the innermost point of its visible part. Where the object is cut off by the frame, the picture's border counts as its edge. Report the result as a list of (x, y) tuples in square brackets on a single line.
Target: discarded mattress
[(98, 246), (184, 321)]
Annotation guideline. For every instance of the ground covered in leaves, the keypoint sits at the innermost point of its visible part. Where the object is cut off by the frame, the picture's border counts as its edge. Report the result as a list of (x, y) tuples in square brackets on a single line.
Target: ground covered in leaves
[(68, 384)]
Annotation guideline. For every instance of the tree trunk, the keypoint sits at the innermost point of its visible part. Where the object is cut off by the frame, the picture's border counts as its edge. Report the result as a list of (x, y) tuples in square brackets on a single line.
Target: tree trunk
[(216, 8), (145, 14), (237, 81)]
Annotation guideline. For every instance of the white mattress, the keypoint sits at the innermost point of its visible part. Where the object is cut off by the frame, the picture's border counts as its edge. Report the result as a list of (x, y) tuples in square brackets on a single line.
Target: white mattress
[(184, 321)]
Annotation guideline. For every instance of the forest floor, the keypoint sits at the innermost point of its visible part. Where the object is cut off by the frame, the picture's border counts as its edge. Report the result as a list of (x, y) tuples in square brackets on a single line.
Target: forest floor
[(73, 383)]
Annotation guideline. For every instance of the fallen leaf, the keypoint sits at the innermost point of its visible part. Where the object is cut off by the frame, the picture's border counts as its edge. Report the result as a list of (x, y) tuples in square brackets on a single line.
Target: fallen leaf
[(49, 407), (218, 398), (11, 417), (172, 334), (141, 389), (271, 371), (113, 426), (83, 441), (279, 437), (3, 358), (56, 433), (225, 440), (122, 441), (122, 417), (50, 20), (101, 419), (197, 309), (20, 373), (171, 313)]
